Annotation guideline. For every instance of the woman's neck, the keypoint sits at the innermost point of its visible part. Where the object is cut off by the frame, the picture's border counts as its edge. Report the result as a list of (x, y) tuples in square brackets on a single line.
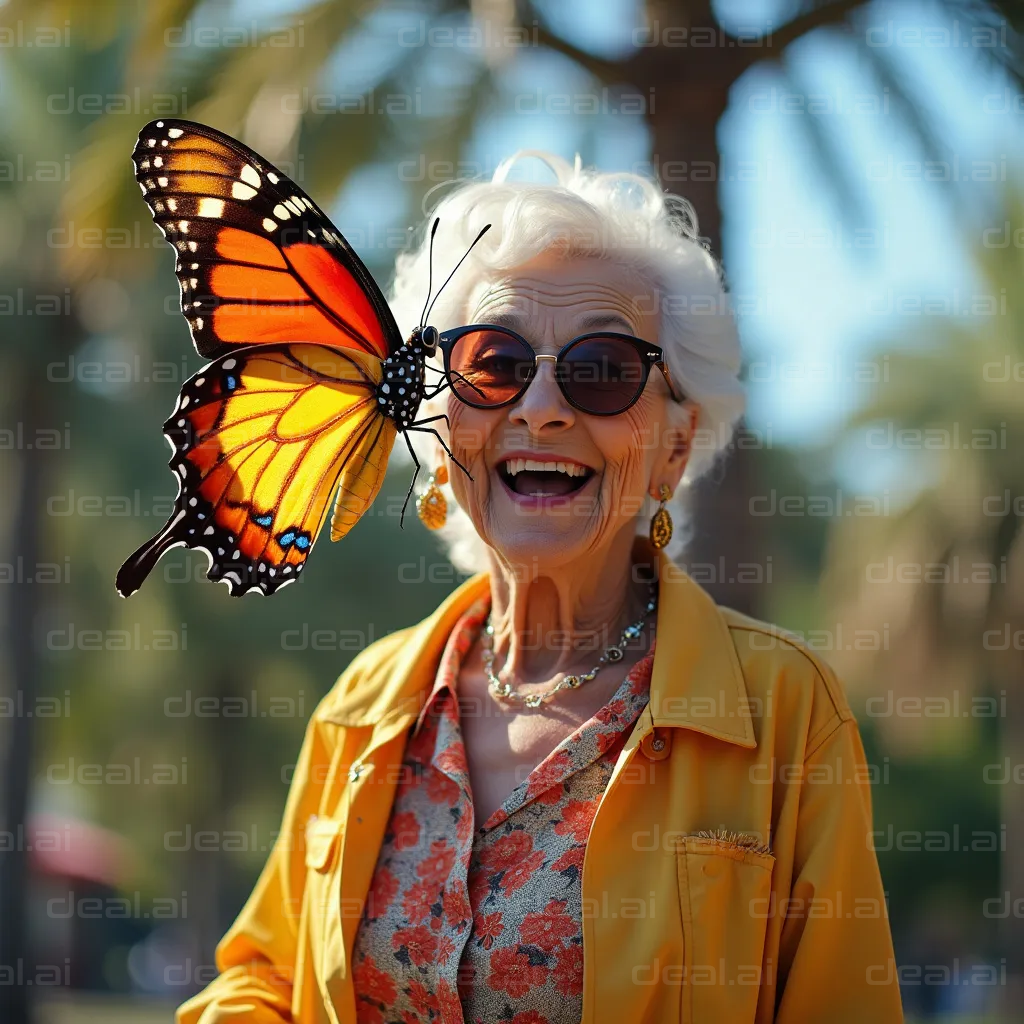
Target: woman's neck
[(559, 619)]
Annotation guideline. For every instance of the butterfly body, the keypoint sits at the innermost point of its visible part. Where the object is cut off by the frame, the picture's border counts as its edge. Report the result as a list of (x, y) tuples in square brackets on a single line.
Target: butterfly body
[(401, 390), (310, 381)]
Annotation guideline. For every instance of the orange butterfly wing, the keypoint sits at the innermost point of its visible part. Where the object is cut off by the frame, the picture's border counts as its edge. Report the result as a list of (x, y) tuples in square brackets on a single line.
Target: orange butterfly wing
[(261, 437), (257, 261)]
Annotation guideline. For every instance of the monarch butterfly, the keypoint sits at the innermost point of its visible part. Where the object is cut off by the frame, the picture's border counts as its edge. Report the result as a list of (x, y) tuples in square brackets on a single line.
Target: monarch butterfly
[(310, 380)]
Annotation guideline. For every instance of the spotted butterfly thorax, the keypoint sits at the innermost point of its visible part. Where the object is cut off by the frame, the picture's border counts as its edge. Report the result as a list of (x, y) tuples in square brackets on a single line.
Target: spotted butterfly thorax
[(310, 380)]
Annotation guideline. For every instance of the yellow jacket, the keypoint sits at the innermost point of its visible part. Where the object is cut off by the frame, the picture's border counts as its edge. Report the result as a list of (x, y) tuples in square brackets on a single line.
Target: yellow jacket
[(746, 732)]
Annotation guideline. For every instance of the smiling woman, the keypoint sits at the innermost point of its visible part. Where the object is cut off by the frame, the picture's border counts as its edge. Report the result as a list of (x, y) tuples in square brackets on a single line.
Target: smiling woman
[(579, 736)]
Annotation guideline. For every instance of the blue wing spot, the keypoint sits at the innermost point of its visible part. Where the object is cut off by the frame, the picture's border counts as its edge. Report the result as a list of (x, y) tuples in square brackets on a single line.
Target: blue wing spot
[(231, 383), (286, 538), (302, 542), (264, 520)]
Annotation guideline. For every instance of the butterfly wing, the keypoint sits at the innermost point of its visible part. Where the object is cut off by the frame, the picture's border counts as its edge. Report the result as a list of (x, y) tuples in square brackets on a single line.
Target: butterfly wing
[(257, 260), (260, 439)]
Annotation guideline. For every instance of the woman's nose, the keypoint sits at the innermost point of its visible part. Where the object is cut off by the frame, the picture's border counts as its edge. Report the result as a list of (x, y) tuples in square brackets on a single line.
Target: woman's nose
[(543, 407)]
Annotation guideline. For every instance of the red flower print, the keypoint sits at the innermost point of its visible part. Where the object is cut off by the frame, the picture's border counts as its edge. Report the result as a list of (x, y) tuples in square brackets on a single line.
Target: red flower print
[(406, 830), (419, 941), (409, 1017), (457, 910), (417, 901), (607, 740), (448, 1001), (382, 892), (577, 817), (367, 1013), (452, 760), (436, 867), (372, 983), (548, 774), (547, 928), (445, 948), (441, 789), (611, 711), (507, 851), (529, 1017), (572, 858), (568, 972), (513, 974), (479, 888), (550, 796), (520, 874), (488, 928), (464, 826), (422, 999)]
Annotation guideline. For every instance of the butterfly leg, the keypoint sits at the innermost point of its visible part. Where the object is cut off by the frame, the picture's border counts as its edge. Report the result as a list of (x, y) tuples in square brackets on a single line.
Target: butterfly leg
[(412, 484), (430, 430), (447, 384)]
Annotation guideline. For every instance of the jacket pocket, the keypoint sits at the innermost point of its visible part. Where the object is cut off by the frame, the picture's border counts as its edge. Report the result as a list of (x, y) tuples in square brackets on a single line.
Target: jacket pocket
[(722, 887)]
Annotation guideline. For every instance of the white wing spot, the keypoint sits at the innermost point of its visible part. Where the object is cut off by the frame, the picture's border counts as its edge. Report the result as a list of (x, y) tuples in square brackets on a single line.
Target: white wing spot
[(172, 205), (249, 174), (241, 191), (159, 124), (281, 212), (228, 364), (199, 323), (158, 161), (162, 182), (272, 178), (268, 224), (175, 133), (192, 246), (295, 205), (183, 226), (150, 142), (209, 207)]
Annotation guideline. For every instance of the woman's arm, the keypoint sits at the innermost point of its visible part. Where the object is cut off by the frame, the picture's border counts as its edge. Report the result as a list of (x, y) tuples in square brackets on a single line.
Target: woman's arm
[(836, 960)]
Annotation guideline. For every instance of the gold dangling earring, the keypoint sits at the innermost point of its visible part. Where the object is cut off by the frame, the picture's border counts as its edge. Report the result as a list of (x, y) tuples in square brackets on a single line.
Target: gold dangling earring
[(431, 505), (661, 523)]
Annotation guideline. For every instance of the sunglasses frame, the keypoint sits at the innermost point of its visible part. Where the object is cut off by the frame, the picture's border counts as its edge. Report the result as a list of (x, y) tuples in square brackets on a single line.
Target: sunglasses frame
[(650, 355)]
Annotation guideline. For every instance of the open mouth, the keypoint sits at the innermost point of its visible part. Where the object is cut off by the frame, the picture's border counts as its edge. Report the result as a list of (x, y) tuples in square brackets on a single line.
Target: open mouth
[(536, 479)]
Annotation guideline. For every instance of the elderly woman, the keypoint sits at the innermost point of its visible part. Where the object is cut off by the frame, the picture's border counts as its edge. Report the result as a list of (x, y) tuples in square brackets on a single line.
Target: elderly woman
[(580, 791)]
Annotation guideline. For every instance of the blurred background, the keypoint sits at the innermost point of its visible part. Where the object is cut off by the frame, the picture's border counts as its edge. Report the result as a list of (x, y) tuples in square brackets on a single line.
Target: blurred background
[(858, 166)]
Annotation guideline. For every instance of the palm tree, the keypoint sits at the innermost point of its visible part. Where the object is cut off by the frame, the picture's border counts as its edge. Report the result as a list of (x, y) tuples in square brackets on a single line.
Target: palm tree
[(944, 572)]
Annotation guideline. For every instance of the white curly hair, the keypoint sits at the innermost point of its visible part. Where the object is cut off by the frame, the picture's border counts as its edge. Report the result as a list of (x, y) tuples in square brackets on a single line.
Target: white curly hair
[(585, 213)]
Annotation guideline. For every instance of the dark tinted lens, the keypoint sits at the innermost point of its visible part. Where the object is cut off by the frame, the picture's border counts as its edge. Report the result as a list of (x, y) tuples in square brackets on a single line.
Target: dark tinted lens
[(489, 367), (603, 375)]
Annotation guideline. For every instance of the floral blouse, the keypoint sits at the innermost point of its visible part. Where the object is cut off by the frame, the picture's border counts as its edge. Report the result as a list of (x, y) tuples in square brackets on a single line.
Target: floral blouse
[(485, 925)]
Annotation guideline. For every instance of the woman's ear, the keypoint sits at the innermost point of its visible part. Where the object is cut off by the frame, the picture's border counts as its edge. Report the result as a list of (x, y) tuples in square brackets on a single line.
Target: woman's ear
[(675, 449)]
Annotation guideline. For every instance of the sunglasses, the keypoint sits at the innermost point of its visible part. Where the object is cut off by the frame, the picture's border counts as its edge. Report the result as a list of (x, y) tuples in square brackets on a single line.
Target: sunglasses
[(601, 374)]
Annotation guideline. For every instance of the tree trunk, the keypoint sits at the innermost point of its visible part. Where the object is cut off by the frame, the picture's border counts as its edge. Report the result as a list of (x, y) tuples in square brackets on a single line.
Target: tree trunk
[(691, 93)]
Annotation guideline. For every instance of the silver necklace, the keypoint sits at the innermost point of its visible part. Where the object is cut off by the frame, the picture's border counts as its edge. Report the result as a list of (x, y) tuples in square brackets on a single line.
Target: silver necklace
[(504, 691)]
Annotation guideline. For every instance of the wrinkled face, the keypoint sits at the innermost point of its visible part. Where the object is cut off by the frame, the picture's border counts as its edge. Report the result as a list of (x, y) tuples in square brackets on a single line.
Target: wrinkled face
[(551, 484)]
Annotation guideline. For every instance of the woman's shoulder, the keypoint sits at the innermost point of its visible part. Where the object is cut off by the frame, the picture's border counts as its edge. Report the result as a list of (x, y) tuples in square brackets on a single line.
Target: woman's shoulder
[(782, 668)]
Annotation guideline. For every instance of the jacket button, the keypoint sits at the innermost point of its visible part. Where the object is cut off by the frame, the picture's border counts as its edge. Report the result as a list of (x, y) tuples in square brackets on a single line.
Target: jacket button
[(657, 745)]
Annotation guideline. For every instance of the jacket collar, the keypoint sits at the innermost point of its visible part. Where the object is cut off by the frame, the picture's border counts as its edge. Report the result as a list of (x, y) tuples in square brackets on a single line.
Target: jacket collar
[(696, 683)]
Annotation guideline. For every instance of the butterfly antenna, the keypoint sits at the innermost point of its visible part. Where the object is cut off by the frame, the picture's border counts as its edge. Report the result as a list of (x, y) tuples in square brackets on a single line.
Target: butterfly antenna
[(484, 230), (430, 272)]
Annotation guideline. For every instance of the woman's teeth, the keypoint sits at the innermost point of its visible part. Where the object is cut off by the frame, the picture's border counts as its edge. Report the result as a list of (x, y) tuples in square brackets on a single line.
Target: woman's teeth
[(542, 479), (516, 466)]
